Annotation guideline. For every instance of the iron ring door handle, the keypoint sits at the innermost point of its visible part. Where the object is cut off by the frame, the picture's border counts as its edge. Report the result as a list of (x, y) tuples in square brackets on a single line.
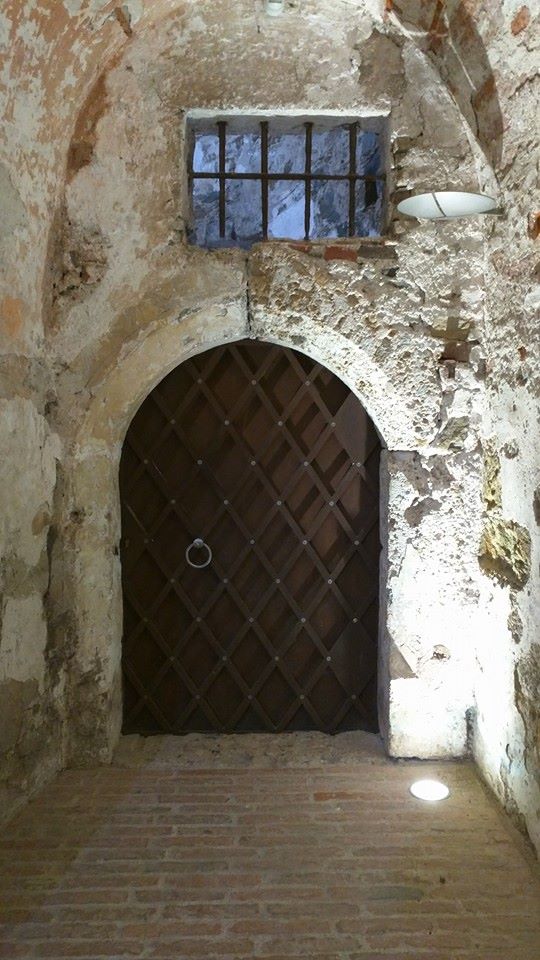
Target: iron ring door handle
[(198, 544)]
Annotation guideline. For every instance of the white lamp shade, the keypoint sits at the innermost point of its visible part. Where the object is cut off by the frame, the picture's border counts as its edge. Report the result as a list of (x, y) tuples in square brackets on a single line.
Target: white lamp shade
[(445, 204)]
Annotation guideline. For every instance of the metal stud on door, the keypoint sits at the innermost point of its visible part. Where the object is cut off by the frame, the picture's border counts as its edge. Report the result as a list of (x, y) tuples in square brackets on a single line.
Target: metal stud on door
[(250, 549)]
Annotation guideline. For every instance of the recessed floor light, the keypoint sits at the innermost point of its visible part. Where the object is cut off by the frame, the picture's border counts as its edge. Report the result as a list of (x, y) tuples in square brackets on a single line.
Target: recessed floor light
[(430, 790)]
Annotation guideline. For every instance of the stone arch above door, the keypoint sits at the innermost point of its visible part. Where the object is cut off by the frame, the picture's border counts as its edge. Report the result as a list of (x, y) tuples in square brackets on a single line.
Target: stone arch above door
[(428, 499)]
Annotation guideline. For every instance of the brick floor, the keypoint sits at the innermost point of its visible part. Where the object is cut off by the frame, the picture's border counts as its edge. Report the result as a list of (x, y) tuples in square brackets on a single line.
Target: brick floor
[(325, 856)]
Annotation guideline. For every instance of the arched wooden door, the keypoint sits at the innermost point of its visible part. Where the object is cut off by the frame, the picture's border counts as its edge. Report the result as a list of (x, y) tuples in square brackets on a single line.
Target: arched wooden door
[(270, 459)]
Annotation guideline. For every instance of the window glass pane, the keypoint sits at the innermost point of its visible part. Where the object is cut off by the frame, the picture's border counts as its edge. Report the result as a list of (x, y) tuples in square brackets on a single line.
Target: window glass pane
[(330, 151), (243, 212), (243, 153), (286, 152), (329, 208), (368, 153), (206, 153), (286, 209), (205, 205), (369, 208)]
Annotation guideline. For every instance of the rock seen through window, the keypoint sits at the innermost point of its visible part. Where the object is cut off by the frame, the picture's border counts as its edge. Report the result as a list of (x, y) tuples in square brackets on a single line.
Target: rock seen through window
[(307, 180)]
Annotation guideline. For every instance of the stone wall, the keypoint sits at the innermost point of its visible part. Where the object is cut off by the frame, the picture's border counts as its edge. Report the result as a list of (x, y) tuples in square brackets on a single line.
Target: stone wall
[(396, 319), (47, 57), (507, 724), (102, 297)]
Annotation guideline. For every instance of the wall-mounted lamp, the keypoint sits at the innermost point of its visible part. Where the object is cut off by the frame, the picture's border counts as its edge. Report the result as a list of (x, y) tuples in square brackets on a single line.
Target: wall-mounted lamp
[(446, 204), (274, 7)]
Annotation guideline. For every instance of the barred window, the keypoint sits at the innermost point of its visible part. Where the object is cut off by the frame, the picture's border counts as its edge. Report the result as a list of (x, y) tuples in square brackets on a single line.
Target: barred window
[(254, 179)]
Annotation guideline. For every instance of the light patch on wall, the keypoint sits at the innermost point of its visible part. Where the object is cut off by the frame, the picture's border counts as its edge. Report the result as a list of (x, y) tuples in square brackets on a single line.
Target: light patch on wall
[(13, 209), (127, 15), (24, 635), (4, 30), (135, 9), (74, 7)]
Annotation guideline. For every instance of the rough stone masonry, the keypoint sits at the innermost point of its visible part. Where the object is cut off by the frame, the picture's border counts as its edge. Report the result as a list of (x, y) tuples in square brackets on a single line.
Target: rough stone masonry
[(434, 327)]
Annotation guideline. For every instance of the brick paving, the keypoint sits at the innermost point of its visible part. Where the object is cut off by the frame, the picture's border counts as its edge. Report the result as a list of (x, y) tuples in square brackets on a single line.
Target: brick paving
[(332, 861)]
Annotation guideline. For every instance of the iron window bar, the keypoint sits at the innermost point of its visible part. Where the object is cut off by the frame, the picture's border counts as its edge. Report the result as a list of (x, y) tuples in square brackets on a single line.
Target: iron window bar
[(307, 189), (264, 178), (222, 130), (352, 177)]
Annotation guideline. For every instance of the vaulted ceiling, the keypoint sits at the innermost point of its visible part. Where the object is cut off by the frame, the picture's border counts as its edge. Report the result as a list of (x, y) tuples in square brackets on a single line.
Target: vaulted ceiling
[(51, 52)]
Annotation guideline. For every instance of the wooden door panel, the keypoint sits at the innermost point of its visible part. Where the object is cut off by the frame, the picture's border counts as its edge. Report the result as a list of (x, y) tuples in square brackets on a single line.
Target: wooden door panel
[(271, 460)]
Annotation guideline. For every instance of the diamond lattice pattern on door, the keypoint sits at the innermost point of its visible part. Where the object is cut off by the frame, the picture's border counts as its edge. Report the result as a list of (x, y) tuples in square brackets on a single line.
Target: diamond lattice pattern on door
[(270, 459)]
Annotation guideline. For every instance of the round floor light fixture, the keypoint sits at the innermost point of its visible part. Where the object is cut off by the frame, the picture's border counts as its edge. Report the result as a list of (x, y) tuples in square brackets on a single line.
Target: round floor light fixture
[(446, 204), (430, 790)]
